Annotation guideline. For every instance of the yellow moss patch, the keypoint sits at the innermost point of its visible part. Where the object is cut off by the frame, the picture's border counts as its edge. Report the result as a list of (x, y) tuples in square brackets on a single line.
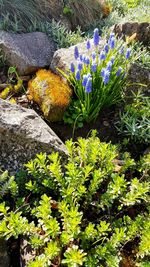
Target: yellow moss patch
[(50, 92)]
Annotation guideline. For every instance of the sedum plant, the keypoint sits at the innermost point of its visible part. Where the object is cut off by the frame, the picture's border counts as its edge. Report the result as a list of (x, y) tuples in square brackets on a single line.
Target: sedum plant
[(98, 78), (83, 212)]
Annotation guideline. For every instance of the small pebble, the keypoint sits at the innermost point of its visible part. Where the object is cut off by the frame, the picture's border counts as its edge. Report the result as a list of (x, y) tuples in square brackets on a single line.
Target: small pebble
[(105, 123)]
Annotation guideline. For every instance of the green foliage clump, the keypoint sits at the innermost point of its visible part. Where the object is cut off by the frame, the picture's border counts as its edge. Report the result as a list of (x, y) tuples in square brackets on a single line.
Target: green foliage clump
[(78, 212), (64, 37), (134, 121)]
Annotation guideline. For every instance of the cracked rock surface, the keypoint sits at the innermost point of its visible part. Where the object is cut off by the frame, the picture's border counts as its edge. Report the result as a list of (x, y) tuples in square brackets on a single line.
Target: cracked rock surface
[(23, 134)]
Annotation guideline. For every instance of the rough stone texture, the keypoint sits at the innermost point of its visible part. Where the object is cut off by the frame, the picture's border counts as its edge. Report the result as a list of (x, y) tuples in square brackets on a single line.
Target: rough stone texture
[(28, 51), (23, 134), (64, 56), (139, 75), (142, 31), (4, 259)]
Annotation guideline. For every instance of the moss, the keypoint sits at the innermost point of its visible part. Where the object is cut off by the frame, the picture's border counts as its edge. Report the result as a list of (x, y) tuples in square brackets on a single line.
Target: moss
[(51, 93)]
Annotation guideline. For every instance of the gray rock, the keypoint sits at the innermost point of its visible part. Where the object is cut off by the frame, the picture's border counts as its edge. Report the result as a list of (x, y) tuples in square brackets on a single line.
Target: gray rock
[(138, 78), (28, 51), (142, 31), (63, 57), (4, 259), (23, 134)]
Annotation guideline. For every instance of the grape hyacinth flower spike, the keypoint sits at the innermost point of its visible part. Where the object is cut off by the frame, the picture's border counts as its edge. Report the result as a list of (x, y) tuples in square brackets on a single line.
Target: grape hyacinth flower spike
[(119, 71), (80, 66), (128, 53), (109, 65), (105, 75), (86, 60), (112, 35), (88, 87), (112, 43), (112, 60), (72, 67), (78, 75), (96, 37), (84, 81), (88, 45), (93, 55), (106, 48), (102, 55), (121, 51), (76, 52), (94, 67), (103, 72)]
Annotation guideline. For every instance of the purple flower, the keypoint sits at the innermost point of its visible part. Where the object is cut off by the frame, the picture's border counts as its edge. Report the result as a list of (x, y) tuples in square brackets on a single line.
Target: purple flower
[(102, 55), (80, 66), (112, 42), (88, 87), (88, 45), (119, 71), (103, 72), (109, 66), (72, 67), (81, 57), (94, 67), (96, 37), (112, 35), (76, 52), (84, 81), (94, 55), (121, 51), (112, 60), (78, 75), (106, 77), (128, 53), (106, 48), (89, 75), (86, 60)]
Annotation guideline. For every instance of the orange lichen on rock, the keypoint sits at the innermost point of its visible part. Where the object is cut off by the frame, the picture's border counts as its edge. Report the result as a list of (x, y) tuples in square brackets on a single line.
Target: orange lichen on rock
[(106, 9), (51, 93)]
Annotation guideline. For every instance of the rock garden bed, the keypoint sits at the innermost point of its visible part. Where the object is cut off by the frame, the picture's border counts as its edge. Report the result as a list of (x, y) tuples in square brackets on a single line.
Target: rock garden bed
[(74, 143)]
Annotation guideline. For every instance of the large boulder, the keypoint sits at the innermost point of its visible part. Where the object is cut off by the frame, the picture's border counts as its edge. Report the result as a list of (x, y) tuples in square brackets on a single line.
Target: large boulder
[(75, 13), (4, 258), (28, 51), (23, 134), (142, 31)]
